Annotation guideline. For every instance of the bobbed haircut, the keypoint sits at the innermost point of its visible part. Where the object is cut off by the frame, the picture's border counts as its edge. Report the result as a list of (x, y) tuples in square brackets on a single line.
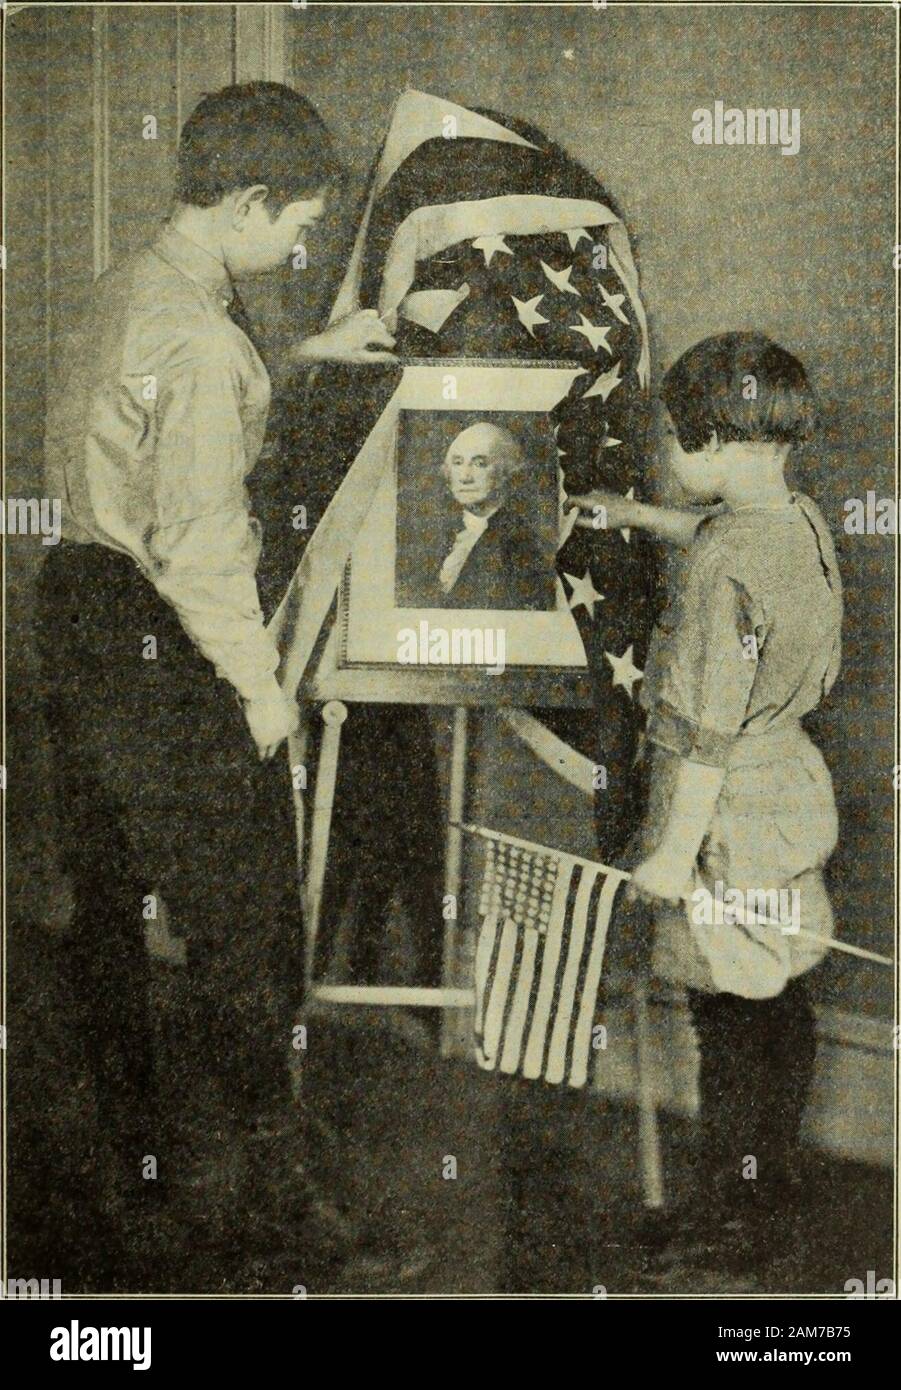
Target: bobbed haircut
[(742, 385), (255, 133)]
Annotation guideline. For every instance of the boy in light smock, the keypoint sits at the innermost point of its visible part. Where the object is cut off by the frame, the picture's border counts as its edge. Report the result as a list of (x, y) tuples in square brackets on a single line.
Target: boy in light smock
[(741, 816)]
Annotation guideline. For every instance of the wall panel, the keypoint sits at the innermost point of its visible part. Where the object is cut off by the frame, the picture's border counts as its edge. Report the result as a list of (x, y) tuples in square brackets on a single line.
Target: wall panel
[(141, 75), (206, 53), (71, 231)]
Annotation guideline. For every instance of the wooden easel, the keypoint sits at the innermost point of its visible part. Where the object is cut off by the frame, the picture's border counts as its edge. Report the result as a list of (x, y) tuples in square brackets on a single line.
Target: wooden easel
[(334, 687)]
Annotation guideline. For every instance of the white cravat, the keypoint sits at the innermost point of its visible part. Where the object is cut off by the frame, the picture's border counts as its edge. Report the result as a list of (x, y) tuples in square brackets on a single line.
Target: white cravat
[(464, 543)]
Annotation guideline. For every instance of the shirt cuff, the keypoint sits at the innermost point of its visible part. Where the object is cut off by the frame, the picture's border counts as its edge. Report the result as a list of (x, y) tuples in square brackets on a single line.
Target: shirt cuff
[(690, 740), (250, 666), (267, 688)]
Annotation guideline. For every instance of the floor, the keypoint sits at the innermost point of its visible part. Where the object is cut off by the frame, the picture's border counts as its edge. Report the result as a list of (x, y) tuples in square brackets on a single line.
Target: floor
[(465, 1183)]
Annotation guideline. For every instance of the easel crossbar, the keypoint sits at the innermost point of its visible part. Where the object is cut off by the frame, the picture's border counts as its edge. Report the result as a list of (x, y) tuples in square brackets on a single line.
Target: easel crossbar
[(396, 994)]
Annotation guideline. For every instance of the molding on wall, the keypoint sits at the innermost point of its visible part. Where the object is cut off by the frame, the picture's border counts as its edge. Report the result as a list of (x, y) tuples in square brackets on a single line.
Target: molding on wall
[(250, 36), (100, 162), (179, 114), (259, 43)]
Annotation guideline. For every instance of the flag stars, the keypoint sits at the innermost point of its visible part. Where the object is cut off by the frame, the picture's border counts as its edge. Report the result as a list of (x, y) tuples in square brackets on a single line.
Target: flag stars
[(626, 531), (560, 279), (527, 313), (606, 383), (584, 592), (613, 302), (625, 672), (574, 235), (491, 246), (597, 336)]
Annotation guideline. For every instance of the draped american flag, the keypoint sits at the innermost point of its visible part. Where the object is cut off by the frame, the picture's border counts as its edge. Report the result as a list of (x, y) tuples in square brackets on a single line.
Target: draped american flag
[(494, 244), (491, 244), (539, 957)]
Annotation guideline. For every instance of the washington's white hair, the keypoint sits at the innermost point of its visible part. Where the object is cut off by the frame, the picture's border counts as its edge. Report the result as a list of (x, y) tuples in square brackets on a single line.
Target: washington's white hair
[(509, 455)]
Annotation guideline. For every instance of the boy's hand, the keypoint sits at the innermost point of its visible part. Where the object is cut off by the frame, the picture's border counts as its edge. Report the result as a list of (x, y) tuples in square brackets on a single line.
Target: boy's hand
[(662, 877), (270, 719), (359, 338), (617, 511)]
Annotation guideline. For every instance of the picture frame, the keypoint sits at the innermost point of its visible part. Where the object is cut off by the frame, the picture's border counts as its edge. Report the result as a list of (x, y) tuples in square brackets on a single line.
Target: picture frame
[(486, 648)]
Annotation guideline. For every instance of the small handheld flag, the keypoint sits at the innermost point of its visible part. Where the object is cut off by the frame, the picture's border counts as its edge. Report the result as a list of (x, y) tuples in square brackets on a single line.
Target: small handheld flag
[(545, 916), (539, 956)]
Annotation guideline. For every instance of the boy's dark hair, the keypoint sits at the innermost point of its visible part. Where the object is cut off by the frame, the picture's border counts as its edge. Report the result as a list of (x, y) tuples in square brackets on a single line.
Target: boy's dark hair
[(742, 385), (258, 132)]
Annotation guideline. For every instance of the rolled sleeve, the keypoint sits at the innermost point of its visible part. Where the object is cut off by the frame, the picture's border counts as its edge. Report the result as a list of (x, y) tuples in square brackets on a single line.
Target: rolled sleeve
[(685, 736), (204, 545), (700, 698)]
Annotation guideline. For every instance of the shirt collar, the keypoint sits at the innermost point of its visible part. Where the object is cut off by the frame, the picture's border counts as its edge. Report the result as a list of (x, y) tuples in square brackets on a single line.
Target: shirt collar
[(477, 524), (194, 262)]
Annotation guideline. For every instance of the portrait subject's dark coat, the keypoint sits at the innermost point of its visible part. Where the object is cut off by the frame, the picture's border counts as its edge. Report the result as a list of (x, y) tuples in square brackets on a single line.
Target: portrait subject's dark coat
[(505, 569)]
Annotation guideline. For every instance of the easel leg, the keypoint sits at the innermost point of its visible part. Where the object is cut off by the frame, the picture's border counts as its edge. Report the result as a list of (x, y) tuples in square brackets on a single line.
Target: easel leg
[(297, 754), (454, 1021), (333, 716), (648, 1132)]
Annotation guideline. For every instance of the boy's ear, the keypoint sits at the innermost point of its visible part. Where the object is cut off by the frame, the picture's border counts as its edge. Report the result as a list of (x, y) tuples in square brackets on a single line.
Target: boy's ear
[(244, 200), (713, 444)]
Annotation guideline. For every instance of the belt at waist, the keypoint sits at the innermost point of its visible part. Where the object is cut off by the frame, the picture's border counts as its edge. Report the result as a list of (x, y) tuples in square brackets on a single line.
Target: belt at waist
[(95, 553), (752, 748)]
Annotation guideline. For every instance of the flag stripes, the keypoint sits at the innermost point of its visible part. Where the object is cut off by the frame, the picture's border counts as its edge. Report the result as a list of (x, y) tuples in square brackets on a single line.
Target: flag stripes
[(538, 962)]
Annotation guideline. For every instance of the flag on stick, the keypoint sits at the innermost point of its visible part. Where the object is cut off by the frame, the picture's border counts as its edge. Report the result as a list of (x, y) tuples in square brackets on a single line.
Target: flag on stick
[(540, 952), (539, 958)]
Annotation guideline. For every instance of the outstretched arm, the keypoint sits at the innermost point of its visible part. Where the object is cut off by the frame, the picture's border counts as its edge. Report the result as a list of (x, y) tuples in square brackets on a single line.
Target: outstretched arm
[(609, 511)]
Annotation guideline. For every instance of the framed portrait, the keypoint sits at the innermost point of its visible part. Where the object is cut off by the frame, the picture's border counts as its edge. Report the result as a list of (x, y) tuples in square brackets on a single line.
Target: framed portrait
[(454, 566)]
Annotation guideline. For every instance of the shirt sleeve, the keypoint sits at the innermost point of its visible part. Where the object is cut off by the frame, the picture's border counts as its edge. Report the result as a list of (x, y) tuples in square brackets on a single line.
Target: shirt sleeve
[(700, 704), (204, 545)]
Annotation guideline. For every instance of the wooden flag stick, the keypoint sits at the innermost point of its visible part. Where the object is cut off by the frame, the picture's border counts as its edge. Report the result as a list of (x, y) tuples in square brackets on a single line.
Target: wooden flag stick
[(649, 1153), (845, 947), (860, 951)]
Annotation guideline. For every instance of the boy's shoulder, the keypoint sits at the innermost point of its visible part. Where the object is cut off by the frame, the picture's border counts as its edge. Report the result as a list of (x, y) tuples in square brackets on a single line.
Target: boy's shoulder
[(144, 281), (761, 549), (161, 317), (720, 535)]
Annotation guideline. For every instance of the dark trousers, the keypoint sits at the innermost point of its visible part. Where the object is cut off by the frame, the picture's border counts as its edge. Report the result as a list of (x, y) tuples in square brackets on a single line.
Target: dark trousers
[(386, 841), (160, 792), (756, 1066)]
